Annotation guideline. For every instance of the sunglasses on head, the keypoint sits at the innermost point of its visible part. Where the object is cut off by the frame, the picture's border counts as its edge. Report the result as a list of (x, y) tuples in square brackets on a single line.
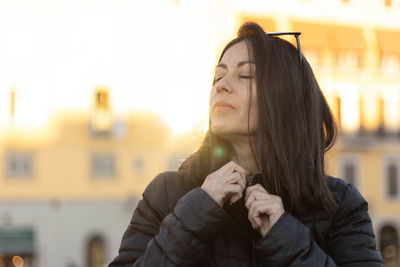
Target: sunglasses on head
[(296, 34)]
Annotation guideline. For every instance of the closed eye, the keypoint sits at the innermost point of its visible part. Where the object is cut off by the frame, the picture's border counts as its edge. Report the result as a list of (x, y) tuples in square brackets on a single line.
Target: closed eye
[(246, 76)]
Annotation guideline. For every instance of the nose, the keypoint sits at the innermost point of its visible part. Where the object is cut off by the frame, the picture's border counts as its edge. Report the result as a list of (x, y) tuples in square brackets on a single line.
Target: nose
[(223, 86), (220, 89)]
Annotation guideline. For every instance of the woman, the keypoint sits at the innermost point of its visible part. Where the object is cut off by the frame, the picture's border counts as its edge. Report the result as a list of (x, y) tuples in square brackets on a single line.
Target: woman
[(255, 193)]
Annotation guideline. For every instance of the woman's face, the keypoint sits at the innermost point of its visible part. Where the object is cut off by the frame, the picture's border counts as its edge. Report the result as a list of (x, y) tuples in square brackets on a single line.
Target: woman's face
[(229, 98)]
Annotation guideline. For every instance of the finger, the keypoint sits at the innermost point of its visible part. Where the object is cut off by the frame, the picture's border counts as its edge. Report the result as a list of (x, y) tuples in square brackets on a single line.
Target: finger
[(248, 200), (231, 178), (251, 216), (259, 190), (257, 210), (231, 190), (257, 187), (235, 178), (253, 224), (240, 182), (253, 220), (260, 211), (259, 207), (255, 195), (250, 191), (235, 198), (258, 193), (233, 166), (242, 171), (226, 167), (258, 221)]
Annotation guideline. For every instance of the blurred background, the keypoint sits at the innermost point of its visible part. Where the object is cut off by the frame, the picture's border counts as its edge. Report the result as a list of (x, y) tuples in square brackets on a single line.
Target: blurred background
[(97, 97)]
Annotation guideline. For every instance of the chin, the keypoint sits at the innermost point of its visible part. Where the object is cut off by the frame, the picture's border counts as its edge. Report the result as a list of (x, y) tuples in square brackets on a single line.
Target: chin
[(222, 130), (218, 129), (228, 131)]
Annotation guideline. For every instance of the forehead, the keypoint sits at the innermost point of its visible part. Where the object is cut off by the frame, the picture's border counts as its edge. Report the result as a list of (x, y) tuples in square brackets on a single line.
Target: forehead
[(236, 53)]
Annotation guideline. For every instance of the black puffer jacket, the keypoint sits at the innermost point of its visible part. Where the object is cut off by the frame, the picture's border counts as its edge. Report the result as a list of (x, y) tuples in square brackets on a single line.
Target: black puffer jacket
[(174, 225)]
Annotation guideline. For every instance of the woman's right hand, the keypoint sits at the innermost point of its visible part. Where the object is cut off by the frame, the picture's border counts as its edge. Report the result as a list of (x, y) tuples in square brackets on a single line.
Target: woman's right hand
[(228, 182)]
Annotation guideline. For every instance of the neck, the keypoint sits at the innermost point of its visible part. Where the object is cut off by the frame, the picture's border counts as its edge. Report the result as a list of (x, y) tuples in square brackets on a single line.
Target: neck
[(242, 154)]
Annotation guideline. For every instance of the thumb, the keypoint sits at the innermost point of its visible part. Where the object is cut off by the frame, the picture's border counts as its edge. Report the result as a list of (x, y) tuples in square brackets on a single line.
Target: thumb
[(235, 198)]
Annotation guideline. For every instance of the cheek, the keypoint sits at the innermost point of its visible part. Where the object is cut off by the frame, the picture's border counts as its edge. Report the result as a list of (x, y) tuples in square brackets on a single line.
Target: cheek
[(212, 94), (254, 110), (253, 104)]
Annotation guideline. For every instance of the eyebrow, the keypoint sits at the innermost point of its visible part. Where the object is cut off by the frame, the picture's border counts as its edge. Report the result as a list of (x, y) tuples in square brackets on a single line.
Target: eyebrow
[(241, 63)]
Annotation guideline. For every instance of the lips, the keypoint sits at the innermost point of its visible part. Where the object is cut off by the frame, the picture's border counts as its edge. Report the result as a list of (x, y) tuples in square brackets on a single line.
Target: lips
[(223, 105)]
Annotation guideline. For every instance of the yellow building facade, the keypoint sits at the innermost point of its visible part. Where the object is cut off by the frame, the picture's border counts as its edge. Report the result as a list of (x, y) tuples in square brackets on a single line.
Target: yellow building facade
[(61, 184)]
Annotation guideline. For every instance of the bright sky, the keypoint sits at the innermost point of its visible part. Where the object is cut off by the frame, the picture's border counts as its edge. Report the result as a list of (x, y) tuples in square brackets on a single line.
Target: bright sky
[(156, 55)]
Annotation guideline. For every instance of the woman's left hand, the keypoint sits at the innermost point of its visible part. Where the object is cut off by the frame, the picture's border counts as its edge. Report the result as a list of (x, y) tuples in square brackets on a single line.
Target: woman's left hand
[(264, 208)]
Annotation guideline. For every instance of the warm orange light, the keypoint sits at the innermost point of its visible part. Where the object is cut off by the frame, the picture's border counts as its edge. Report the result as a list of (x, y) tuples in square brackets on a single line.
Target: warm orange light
[(50, 75), (18, 261)]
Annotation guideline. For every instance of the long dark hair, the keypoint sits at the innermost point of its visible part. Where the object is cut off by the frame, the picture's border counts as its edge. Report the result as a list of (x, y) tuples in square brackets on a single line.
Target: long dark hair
[(295, 127)]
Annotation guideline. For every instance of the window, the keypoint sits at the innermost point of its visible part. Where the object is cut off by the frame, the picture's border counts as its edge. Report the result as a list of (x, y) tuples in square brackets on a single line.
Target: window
[(96, 252), (381, 117), (392, 180), (391, 97), (350, 173), (389, 245), (17, 246), (101, 122), (362, 113), (337, 104), (348, 60), (349, 168), (139, 165), (19, 165), (102, 101), (390, 64), (103, 165), (349, 105)]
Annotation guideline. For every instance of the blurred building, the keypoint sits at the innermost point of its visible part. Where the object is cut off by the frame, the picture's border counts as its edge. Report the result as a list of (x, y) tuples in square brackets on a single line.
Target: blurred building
[(68, 190)]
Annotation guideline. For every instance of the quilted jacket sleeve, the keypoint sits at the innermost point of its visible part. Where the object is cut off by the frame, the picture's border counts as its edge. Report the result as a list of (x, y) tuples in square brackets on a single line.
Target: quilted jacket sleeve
[(351, 242), (154, 238)]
